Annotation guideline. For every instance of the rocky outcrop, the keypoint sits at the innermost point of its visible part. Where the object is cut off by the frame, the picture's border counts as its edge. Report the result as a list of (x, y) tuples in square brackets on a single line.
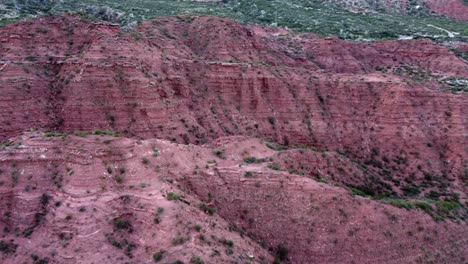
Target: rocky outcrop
[(376, 118), (194, 79)]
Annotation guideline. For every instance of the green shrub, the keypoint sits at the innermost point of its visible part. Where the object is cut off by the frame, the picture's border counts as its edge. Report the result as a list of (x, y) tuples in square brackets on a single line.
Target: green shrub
[(355, 191), (118, 179), (155, 152), (178, 241), (28, 232), (433, 195), (7, 248), (158, 256), (400, 203), (80, 133), (250, 160), (445, 207), (273, 166), (207, 209), (157, 220), (410, 190), (172, 196), (424, 206), (271, 120), (249, 174), (227, 242), (282, 253), (120, 224), (219, 153), (45, 199), (196, 260)]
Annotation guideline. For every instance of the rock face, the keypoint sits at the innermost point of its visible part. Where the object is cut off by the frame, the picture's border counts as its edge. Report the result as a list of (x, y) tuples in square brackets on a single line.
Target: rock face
[(193, 79), (378, 116)]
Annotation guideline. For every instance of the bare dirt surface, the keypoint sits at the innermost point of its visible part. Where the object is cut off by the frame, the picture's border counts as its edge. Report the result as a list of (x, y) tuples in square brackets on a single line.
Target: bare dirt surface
[(92, 182), (256, 144)]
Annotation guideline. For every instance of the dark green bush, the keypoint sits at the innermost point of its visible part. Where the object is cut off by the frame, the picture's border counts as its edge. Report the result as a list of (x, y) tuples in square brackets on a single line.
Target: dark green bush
[(158, 256)]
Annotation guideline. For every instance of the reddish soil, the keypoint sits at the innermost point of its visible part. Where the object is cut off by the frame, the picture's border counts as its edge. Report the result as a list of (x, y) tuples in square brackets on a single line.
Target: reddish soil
[(450, 8), (373, 116), (98, 179)]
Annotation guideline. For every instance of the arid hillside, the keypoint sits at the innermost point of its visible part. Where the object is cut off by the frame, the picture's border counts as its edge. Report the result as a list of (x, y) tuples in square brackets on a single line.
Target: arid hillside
[(102, 199), (257, 143), (455, 9)]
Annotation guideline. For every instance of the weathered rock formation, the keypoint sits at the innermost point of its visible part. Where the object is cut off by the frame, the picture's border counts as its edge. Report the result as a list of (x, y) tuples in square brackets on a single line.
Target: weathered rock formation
[(377, 117)]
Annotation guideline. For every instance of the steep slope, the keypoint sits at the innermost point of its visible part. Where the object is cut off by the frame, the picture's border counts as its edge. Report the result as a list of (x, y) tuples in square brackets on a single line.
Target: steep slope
[(240, 144), (90, 199), (386, 104), (100, 200)]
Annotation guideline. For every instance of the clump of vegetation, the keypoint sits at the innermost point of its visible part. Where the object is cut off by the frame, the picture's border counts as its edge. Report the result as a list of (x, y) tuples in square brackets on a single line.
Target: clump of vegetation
[(279, 147), (121, 224), (171, 196), (400, 203), (227, 242), (158, 256), (105, 132), (355, 191), (207, 209), (45, 199), (37, 260), (155, 152), (250, 174), (49, 134), (196, 260), (7, 248), (250, 160), (281, 254), (271, 120), (80, 133), (157, 218), (178, 241), (219, 153), (411, 190), (423, 206), (445, 207), (118, 179), (273, 166)]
